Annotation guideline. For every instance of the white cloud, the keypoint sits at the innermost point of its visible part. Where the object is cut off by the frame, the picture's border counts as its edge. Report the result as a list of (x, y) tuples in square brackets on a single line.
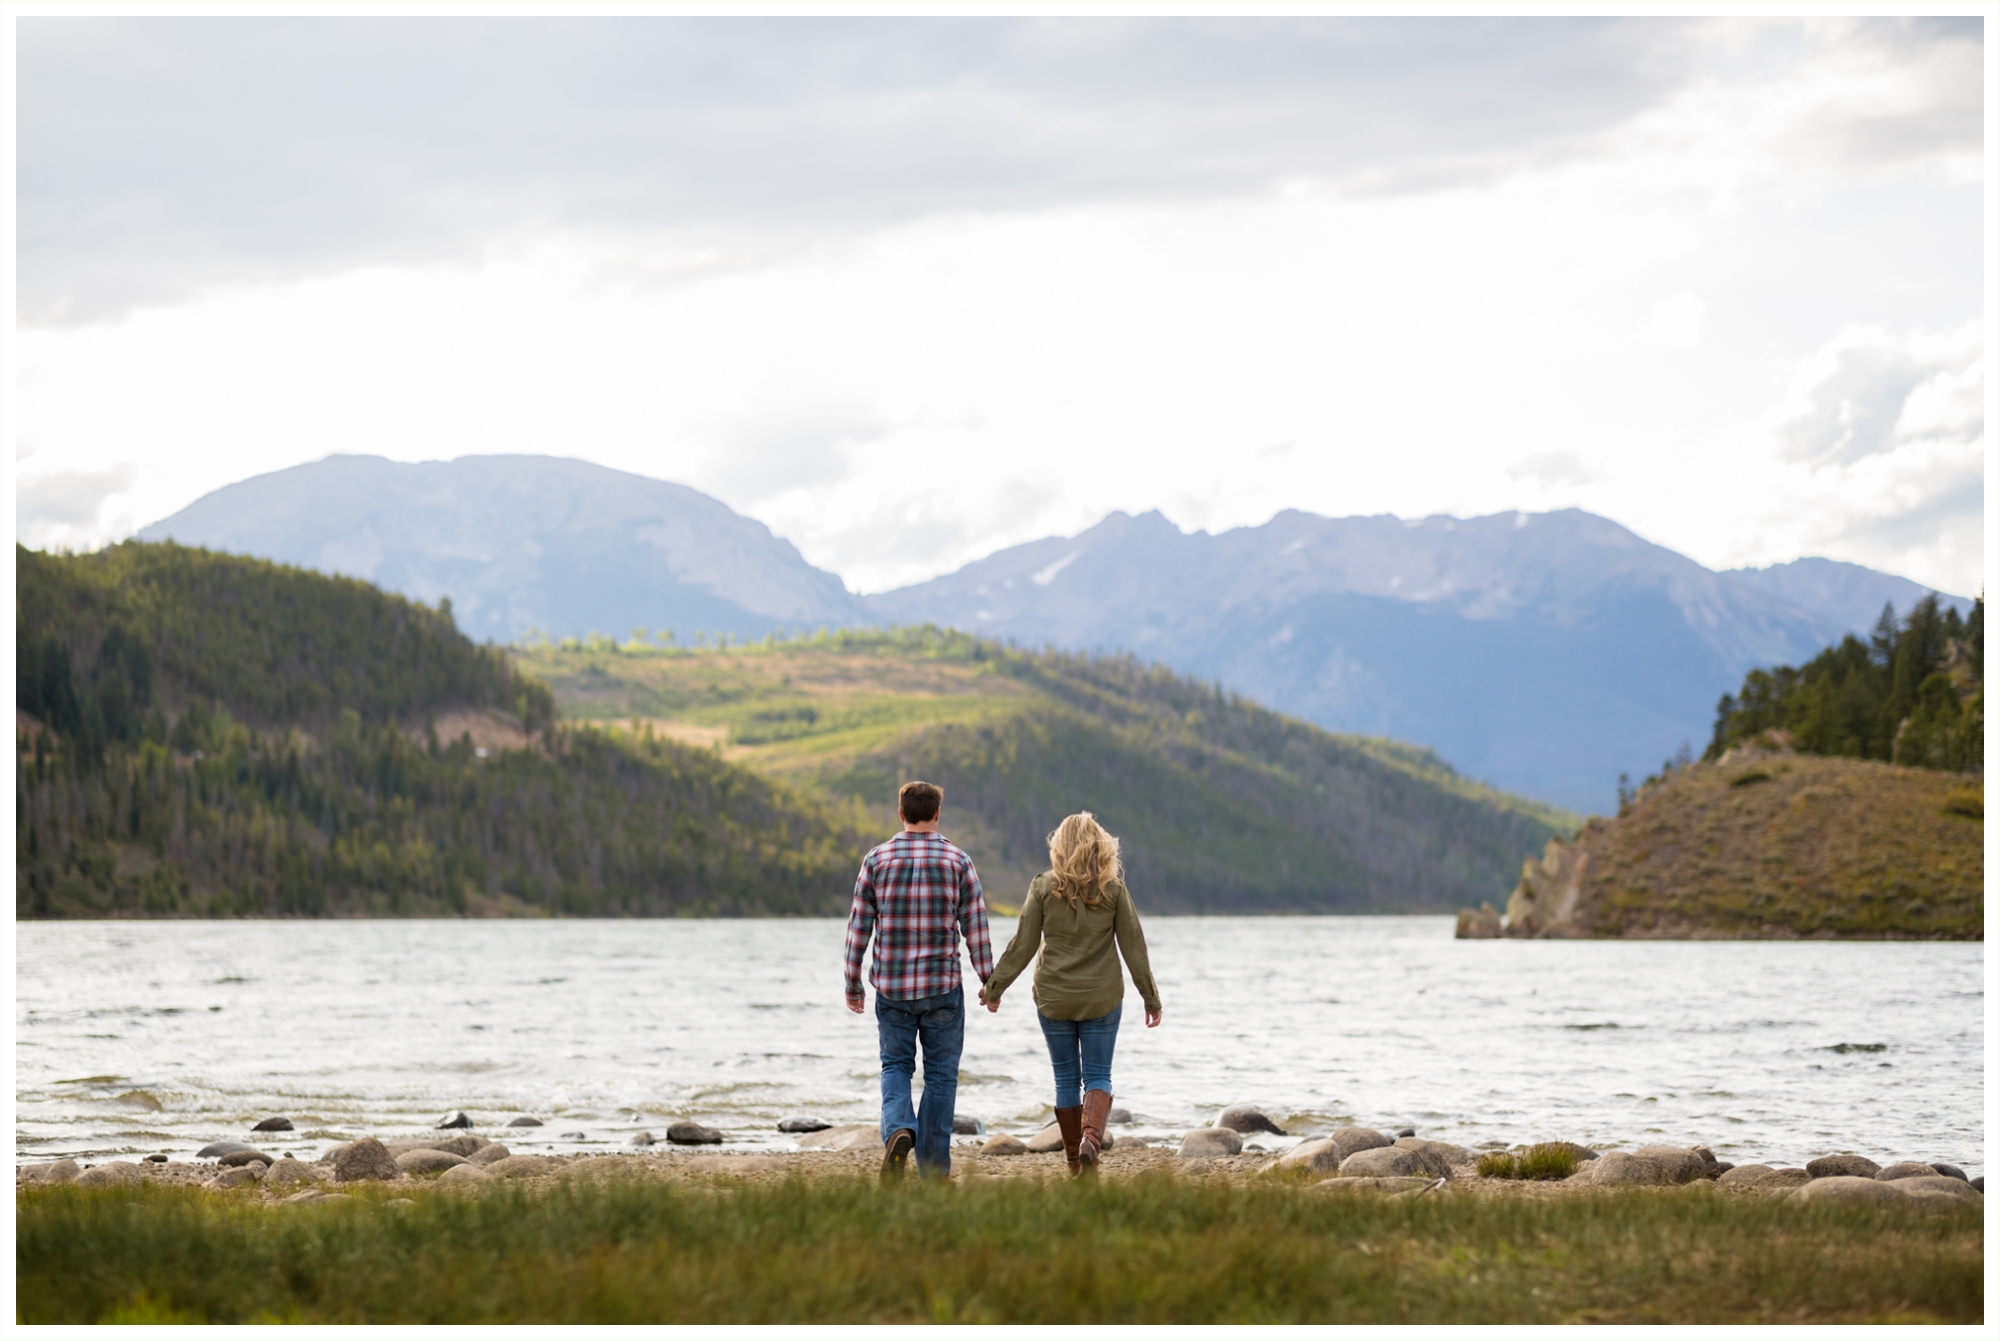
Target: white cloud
[(1674, 323), (62, 507), (901, 397)]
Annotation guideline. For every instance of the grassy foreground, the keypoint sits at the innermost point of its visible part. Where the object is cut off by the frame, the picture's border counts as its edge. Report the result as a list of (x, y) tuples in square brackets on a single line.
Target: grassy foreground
[(1146, 1250)]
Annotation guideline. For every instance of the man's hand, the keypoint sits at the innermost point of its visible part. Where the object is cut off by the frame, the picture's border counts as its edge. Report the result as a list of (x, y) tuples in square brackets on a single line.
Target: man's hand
[(1152, 1019), (855, 1003), (993, 1006)]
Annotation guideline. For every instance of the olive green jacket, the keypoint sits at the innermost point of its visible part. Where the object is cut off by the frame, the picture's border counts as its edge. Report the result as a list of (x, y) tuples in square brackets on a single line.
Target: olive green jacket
[(1076, 971)]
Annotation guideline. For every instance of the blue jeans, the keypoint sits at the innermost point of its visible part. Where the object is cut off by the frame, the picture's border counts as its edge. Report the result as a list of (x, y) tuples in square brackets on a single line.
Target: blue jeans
[(1081, 1053), (940, 1022)]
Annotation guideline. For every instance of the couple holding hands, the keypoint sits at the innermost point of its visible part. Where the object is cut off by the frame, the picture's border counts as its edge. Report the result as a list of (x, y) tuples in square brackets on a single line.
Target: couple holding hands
[(916, 895)]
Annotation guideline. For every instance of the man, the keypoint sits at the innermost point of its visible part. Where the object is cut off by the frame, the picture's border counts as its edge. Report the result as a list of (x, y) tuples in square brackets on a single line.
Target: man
[(917, 893)]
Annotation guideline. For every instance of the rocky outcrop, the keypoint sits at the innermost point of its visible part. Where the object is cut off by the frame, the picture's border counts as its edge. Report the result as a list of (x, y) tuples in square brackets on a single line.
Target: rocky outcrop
[(1479, 924), (1764, 843), (1545, 902)]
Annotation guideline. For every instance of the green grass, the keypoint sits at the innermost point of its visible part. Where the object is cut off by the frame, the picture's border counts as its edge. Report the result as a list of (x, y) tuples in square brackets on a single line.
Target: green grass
[(1538, 1163), (1147, 1250)]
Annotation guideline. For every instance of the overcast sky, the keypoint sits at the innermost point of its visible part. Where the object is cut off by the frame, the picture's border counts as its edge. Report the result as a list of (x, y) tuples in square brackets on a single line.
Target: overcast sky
[(910, 290)]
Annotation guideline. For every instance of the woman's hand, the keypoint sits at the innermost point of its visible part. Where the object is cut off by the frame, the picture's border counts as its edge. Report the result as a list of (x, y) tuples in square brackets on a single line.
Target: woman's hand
[(1152, 1019)]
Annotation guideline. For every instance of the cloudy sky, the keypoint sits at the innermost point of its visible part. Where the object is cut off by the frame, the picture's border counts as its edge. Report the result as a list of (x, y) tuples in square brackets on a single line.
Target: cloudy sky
[(910, 290)]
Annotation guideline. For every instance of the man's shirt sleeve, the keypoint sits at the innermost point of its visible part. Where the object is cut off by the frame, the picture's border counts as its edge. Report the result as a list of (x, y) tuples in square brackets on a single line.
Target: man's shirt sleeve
[(972, 922), (860, 925)]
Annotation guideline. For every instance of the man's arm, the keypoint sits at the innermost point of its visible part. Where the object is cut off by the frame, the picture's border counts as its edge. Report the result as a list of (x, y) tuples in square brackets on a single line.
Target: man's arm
[(860, 926), (972, 922)]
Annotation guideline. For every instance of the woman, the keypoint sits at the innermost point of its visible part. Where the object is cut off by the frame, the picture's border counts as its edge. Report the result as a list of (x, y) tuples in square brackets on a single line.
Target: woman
[(1074, 912)]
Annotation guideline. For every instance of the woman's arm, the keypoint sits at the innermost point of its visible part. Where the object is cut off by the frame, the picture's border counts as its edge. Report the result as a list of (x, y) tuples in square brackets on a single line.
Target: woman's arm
[(1132, 945), (1027, 939)]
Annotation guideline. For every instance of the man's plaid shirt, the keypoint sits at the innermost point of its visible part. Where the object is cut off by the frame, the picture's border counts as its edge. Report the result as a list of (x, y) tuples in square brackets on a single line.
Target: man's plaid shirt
[(917, 893)]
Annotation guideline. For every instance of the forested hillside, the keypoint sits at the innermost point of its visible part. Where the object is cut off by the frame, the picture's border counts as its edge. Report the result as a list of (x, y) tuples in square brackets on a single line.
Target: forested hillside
[(1222, 805), (201, 734), (1913, 694)]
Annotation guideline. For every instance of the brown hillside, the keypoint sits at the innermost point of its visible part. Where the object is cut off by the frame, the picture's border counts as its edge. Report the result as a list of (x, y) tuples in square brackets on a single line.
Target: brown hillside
[(1770, 845)]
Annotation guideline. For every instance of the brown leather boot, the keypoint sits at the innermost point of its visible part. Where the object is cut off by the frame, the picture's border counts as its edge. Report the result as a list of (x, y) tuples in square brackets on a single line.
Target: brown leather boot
[(1071, 1122), (1096, 1108)]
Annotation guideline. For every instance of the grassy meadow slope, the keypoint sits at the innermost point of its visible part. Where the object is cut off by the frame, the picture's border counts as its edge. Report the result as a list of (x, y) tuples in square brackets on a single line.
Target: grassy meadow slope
[(1222, 805), (205, 735), (1772, 845)]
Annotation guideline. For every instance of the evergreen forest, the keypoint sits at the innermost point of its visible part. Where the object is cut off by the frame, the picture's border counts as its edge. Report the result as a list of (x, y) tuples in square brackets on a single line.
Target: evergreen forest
[(1913, 694), (201, 734)]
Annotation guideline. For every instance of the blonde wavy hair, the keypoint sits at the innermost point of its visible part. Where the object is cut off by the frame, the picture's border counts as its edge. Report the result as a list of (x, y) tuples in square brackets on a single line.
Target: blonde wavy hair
[(1083, 858)]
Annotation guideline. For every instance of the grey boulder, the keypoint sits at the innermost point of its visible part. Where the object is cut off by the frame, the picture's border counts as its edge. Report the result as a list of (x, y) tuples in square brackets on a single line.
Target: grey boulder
[(457, 1119), (1389, 1161), (1778, 1179), (217, 1149), (465, 1173), (274, 1124), (967, 1126), (1843, 1166), (1002, 1144), (1316, 1156), (427, 1161), (118, 1174), (288, 1171), (1244, 1118), (1905, 1169), (1445, 1150), (693, 1133), (1936, 1184), (1619, 1169), (1679, 1164), (61, 1171), (367, 1159), (1210, 1142), (237, 1158), (640, 1138), (1047, 1139), (1118, 1116), (524, 1121), (1950, 1171), (1743, 1175), (1352, 1140), (489, 1154), (796, 1125), (1407, 1131), (244, 1175)]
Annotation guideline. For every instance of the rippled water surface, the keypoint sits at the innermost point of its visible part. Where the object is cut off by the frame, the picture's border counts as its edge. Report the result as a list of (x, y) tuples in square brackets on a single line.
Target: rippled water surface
[(1765, 1051)]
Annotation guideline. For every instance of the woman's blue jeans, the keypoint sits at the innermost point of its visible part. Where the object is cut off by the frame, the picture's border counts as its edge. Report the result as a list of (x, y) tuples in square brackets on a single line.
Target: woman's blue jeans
[(1080, 1051)]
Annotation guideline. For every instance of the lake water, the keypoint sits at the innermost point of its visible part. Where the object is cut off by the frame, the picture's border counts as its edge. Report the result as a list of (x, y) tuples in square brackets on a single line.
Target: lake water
[(1765, 1051)]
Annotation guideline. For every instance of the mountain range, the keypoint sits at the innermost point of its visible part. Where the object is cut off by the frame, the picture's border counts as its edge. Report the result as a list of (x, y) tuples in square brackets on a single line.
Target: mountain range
[(1545, 653)]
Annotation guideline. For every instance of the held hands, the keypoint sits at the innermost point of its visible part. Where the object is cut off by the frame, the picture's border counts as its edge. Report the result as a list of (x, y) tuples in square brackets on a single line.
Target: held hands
[(993, 1006)]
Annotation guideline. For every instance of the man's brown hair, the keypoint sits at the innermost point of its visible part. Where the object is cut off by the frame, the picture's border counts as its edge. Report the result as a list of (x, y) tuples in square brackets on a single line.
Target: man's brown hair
[(918, 802)]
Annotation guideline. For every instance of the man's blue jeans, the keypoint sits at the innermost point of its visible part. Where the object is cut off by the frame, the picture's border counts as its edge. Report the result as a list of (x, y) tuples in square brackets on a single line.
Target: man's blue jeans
[(1081, 1053), (939, 1021)]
